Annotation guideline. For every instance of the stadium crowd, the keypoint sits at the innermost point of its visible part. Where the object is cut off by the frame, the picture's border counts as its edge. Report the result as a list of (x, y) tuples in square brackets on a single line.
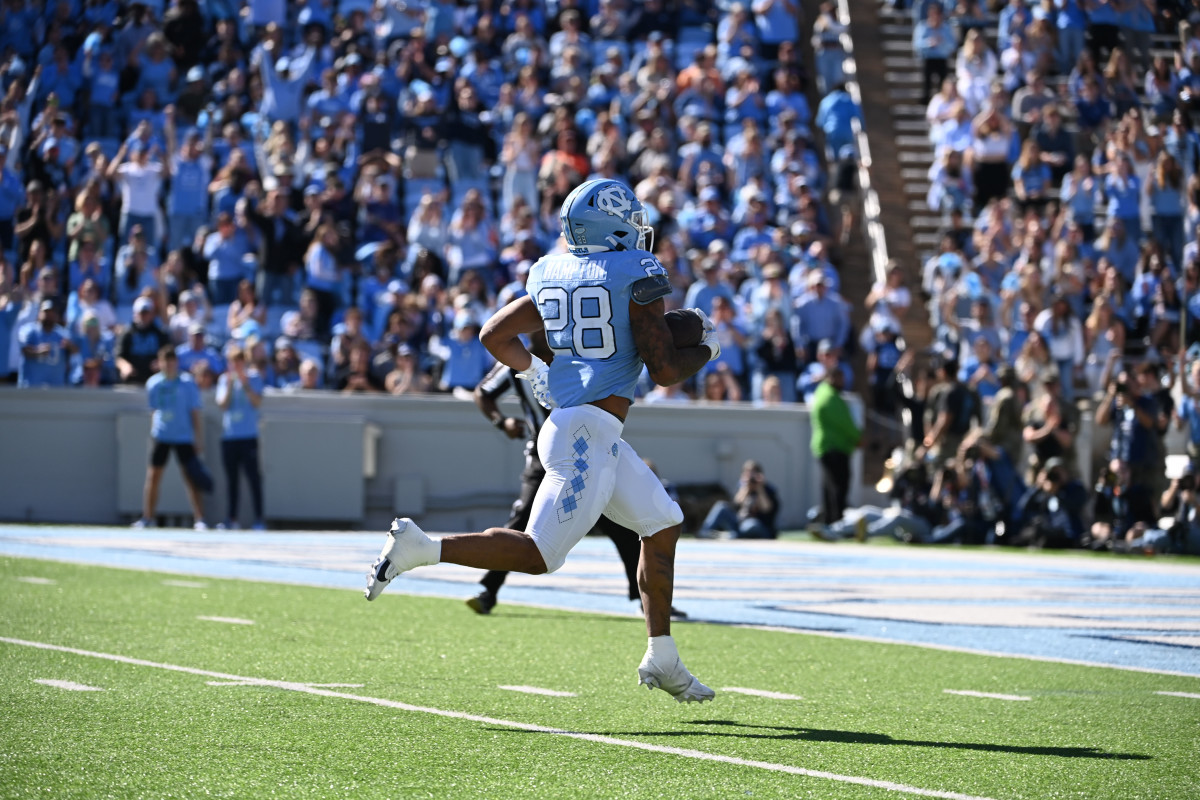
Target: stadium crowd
[(348, 189), (1066, 282)]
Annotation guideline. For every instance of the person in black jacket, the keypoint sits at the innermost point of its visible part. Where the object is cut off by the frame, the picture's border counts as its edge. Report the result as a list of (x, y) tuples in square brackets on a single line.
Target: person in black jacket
[(280, 249)]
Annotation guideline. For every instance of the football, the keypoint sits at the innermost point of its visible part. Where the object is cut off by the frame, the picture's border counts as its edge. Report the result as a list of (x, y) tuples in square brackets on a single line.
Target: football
[(687, 329)]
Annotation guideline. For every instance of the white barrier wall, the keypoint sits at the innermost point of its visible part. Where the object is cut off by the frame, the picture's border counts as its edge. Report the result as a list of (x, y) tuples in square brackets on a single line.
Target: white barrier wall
[(335, 461)]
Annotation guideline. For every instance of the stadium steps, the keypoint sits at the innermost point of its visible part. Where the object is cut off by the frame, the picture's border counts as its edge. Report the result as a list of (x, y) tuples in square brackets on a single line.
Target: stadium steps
[(890, 76), (890, 80)]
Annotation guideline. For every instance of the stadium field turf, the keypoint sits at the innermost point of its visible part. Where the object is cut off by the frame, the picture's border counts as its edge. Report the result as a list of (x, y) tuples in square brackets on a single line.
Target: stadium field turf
[(129, 683)]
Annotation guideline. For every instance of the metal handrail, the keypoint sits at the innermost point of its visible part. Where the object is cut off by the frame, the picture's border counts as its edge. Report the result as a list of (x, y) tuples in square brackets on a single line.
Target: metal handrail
[(872, 226)]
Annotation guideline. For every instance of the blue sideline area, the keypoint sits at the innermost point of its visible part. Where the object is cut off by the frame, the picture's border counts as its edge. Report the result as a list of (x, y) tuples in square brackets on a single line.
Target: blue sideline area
[(1122, 612)]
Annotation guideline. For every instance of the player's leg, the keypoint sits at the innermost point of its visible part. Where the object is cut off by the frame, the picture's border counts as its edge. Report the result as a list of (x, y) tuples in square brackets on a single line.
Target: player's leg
[(640, 502), (565, 508)]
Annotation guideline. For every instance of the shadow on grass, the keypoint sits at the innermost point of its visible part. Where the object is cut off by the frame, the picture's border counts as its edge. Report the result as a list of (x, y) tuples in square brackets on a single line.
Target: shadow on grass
[(782, 733)]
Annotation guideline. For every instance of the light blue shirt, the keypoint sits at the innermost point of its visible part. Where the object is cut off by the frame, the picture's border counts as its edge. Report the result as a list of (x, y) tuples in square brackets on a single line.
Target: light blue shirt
[(172, 402), (48, 369), (240, 420)]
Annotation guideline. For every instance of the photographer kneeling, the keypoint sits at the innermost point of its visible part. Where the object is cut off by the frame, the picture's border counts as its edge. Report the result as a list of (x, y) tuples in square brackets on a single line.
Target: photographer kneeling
[(1050, 514), (1182, 502)]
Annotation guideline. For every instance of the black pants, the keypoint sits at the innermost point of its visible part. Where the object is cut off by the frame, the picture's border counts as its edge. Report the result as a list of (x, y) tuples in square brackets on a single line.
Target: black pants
[(629, 544), (241, 455), (835, 473), (936, 70)]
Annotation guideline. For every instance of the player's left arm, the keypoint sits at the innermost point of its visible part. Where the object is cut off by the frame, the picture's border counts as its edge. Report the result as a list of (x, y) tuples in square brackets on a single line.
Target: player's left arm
[(656, 346), (501, 334)]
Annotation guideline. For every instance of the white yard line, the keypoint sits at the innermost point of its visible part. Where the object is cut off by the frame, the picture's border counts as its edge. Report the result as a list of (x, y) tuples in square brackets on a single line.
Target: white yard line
[(988, 695), (1180, 694), (762, 693), (230, 620), (259, 683), (537, 690), (37, 581), (185, 584), (524, 726), (70, 686)]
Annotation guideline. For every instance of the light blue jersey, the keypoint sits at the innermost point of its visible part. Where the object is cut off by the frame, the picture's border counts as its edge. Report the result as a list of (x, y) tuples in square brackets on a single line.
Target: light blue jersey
[(172, 402), (584, 303)]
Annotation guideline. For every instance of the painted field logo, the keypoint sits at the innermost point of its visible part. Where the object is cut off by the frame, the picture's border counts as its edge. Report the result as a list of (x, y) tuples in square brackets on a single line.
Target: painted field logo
[(612, 200)]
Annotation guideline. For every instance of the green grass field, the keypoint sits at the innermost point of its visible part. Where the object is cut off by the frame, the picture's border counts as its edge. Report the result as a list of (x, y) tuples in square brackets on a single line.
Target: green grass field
[(871, 721)]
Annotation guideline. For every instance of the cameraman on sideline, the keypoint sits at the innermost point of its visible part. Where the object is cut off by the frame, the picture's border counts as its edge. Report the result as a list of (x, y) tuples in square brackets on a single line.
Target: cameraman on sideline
[(1050, 514), (751, 514)]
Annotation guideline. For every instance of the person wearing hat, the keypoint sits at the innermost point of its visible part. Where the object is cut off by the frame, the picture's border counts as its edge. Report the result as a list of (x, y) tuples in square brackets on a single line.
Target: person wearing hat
[(138, 348), (176, 425), (835, 437), (198, 349), (45, 345)]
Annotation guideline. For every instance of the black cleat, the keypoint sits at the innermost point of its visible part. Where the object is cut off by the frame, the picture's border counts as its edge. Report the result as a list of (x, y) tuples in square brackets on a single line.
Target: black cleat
[(482, 603)]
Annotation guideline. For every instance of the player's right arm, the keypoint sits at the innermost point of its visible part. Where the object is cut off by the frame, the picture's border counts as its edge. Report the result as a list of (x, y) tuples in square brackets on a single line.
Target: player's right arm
[(656, 347), (501, 334)]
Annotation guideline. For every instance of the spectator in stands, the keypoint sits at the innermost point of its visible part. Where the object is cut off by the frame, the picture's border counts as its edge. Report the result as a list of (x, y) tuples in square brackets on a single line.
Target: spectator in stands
[(45, 347), (356, 376), (988, 156), (836, 116), (774, 356), (197, 349), (819, 315), (140, 180), (139, 346), (934, 43), (975, 68)]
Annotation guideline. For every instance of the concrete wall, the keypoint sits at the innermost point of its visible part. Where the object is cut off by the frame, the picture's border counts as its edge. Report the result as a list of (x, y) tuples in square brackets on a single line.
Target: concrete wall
[(331, 461)]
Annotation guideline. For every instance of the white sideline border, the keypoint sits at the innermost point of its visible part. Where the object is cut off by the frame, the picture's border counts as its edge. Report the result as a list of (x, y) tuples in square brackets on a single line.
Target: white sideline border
[(227, 620), (586, 737), (537, 690), (1187, 695)]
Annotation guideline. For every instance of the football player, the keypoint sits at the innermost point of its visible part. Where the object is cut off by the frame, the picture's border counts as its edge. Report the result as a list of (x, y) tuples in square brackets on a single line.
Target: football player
[(601, 306)]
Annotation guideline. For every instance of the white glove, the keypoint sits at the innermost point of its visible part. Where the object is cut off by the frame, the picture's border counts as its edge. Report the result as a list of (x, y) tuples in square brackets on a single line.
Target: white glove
[(710, 336), (538, 375)]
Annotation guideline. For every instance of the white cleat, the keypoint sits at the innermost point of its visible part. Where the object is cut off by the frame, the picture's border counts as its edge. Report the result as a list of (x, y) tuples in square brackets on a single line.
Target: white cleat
[(674, 679), (407, 547)]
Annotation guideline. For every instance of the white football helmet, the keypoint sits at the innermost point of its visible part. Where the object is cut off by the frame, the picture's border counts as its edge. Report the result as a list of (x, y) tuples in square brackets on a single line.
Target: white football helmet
[(604, 214)]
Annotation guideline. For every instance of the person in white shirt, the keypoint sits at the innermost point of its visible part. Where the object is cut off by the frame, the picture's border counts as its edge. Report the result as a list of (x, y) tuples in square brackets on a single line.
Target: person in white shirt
[(140, 180)]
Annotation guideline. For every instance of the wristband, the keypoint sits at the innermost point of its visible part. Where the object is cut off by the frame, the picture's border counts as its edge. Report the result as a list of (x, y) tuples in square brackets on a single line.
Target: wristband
[(499, 423)]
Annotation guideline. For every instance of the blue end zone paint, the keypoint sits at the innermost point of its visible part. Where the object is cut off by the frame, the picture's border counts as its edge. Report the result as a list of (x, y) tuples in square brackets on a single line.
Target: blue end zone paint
[(761, 583)]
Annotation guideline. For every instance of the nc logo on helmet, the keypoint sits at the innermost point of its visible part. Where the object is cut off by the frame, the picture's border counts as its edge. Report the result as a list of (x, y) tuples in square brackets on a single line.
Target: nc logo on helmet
[(613, 200)]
